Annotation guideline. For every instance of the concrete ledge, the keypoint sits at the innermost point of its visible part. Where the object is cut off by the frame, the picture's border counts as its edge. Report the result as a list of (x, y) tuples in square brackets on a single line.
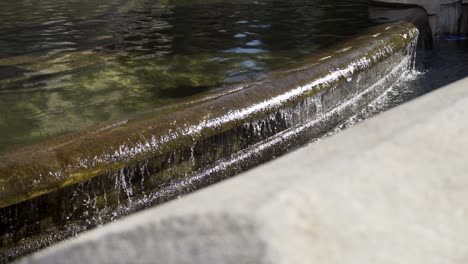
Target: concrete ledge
[(431, 6), (390, 190), (445, 16)]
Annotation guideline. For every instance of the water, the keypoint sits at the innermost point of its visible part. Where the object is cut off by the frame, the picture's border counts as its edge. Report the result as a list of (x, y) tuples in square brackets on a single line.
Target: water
[(444, 64), (66, 65)]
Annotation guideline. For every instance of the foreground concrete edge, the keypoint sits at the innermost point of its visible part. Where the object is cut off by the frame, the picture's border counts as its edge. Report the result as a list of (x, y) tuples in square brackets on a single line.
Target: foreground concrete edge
[(390, 190)]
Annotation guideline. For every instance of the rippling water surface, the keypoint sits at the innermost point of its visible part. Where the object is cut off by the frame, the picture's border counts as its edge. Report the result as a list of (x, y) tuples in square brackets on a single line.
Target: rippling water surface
[(66, 65)]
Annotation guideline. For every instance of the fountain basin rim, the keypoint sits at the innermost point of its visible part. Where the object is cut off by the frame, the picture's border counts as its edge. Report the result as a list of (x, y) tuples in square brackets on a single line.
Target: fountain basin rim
[(29, 172)]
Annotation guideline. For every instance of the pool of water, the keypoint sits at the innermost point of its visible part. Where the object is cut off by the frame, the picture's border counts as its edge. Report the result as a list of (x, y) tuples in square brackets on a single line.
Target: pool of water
[(66, 65)]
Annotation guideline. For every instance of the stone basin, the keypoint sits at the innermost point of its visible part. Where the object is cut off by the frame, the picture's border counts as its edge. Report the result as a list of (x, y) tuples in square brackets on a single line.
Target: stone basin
[(62, 186)]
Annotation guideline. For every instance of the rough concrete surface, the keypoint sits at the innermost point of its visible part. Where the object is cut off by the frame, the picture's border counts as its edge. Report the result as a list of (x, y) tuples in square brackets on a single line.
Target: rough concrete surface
[(393, 189)]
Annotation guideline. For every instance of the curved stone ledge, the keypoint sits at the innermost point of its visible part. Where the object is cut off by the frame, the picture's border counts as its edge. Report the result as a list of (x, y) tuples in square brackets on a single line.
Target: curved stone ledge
[(29, 172)]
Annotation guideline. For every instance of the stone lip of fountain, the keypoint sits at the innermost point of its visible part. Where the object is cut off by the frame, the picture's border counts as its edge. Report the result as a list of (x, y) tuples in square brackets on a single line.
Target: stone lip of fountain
[(58, 188), (39, 169)]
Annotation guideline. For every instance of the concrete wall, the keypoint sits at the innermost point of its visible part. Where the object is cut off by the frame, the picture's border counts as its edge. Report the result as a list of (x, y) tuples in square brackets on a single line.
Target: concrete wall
[(445, 15), (390, 190), (431, 6)]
